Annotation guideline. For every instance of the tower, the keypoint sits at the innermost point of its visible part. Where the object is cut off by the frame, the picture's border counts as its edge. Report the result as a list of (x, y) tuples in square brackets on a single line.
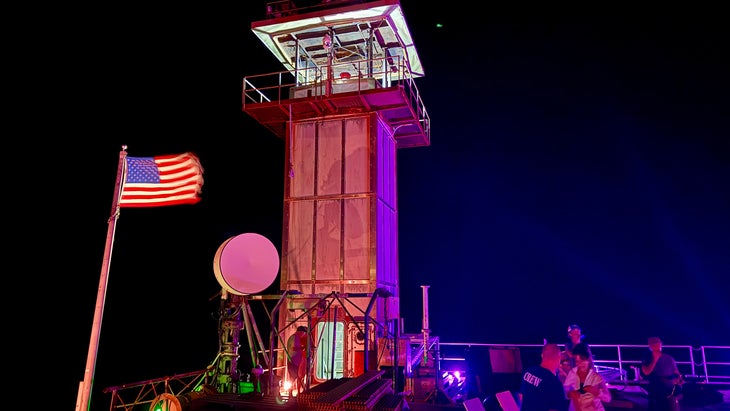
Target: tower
[(344, 103)]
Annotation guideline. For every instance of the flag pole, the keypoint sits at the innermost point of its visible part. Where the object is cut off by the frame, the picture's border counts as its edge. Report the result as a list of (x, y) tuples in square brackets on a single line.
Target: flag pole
[(84, 395)]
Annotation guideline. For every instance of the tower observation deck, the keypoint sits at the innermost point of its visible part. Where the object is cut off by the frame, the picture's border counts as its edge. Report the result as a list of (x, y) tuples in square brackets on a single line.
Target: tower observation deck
[(340, 57)]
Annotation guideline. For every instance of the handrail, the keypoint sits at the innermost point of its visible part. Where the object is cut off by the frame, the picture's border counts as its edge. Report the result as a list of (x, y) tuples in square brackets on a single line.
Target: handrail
[(322, 82), (262, 98), (706, 364), (276, 86)]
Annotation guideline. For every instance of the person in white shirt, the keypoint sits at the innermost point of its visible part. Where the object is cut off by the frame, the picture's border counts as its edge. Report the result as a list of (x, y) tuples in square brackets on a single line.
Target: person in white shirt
[(585, 388)]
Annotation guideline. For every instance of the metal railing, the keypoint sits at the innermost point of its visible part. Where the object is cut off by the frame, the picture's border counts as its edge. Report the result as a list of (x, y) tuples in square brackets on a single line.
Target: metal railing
[(323, 82), (706, 364)]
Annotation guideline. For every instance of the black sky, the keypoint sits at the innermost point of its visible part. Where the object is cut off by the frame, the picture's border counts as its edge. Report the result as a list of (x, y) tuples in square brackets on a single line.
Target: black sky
[(578, 173)]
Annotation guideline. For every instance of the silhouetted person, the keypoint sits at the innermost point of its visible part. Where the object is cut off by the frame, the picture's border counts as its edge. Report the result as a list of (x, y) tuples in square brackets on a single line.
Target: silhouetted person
[(575, 337), (540, 388), (564, 369), (297, 366), (661, 371)]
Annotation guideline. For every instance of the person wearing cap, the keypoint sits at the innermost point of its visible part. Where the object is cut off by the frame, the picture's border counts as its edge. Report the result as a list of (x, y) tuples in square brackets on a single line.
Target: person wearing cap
[(661, 371), (297, 347), (575, 338)]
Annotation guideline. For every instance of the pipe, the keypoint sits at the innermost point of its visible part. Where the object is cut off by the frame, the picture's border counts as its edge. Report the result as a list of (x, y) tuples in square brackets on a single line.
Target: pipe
[(379, 292), (425, 330), (334, 342)]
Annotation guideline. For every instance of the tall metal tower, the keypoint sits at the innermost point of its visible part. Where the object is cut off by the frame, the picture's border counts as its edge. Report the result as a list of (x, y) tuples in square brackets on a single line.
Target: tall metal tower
[(344, 103)]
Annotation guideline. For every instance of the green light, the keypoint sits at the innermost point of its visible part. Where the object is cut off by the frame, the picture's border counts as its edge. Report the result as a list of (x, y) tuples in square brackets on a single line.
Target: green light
[(160, 406), (439, 25), (245, 387)]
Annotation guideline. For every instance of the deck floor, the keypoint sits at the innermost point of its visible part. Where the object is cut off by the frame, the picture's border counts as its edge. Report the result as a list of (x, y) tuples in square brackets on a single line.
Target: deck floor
[(630, 399)]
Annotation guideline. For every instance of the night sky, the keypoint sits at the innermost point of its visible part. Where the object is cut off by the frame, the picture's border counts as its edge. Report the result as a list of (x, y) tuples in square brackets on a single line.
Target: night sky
[(579, 172)]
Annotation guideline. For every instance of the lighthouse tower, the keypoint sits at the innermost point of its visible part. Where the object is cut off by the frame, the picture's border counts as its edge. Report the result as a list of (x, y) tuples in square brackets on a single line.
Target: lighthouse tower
[(344, 103)]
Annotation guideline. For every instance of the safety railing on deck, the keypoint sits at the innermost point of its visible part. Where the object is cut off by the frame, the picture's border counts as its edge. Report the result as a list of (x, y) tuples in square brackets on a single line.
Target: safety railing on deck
[(323, 82), (622, 363)]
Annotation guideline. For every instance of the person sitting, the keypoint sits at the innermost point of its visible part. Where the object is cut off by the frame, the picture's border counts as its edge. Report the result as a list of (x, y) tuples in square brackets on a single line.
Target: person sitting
[(586, 389)]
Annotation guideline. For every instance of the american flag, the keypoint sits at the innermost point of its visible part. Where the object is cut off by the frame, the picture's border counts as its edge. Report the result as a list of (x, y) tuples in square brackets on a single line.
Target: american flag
[(162, 181)]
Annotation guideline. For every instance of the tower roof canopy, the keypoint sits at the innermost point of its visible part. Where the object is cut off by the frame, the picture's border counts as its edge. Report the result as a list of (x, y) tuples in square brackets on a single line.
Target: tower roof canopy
[(349, 30)]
